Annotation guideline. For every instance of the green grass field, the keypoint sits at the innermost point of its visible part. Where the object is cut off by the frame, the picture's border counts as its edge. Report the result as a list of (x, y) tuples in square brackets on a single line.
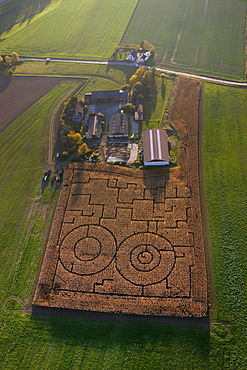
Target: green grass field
[(198, 34), (225, 147), (82, 29), (15, 11), (23, 152)]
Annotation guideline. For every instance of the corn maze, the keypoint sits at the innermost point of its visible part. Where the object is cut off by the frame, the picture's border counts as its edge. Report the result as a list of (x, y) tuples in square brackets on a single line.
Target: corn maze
[(126, 241)]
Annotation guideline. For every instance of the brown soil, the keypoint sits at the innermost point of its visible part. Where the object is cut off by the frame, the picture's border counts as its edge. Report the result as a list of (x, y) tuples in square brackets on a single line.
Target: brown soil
[(128, 241), (20, 93)]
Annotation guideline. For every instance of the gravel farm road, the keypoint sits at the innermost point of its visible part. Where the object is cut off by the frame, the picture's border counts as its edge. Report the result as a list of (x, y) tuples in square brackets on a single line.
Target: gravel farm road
[(205, 78), (209, 79)]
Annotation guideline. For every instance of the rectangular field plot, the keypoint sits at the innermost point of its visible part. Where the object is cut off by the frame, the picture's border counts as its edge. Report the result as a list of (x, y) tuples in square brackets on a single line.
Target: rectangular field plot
[(20, 93), (128, 241), (78, 28), (204, 34)]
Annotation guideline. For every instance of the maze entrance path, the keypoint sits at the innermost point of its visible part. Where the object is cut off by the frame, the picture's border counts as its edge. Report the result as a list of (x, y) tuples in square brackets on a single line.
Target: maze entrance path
[(127, 241)]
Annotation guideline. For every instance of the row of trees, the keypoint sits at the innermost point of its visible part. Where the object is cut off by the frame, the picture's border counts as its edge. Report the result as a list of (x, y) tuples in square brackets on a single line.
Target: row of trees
[(76, 139), (142, 81), (9, 61)]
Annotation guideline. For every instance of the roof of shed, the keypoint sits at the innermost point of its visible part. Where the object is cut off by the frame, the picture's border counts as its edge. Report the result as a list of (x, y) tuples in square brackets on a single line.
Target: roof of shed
[(155, 145)]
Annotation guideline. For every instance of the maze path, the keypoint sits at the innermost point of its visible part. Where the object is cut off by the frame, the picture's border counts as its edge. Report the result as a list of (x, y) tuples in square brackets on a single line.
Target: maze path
[(122, 236)]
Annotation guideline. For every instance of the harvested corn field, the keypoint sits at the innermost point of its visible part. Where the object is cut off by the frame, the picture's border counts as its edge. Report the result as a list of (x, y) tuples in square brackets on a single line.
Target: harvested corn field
[(128, 241)]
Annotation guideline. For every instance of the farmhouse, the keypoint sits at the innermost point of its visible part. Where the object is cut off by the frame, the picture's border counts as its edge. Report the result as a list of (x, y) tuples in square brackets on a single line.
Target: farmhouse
[(118, 125), (139, 55), (155, 148), (108, 96), (94, 127), (79, 113)]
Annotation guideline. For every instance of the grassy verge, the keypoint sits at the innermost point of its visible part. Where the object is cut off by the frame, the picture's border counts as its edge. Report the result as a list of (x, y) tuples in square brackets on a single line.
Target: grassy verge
[(154, 109)]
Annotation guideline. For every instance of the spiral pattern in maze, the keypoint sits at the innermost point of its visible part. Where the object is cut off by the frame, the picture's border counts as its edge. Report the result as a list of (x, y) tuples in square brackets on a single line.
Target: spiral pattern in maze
[(145, 259), (87, 250)]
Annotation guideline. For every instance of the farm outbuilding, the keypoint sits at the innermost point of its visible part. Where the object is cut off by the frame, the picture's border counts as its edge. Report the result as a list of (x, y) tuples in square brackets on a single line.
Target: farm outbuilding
[(119, 125), (155, 148), (94, 127), (109, 96)]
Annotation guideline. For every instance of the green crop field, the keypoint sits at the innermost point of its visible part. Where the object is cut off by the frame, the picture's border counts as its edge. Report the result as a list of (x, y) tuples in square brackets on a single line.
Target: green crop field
[(225, 148), (23, 144), (198, 34), (14, 11), (78, 28)]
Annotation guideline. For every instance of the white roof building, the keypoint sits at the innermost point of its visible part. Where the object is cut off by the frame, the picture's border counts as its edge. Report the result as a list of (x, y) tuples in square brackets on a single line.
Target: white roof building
[(155, 148)]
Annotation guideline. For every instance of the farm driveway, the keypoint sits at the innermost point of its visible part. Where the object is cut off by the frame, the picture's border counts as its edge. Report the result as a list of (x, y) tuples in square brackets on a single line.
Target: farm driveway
[(133, 152)]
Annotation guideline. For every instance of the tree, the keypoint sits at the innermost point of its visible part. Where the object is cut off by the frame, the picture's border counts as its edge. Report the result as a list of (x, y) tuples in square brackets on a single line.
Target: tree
[(150, 76), (15, 57), (140, 71), (147, 45), (92, 113), (126, 87), (101, 115), (10, 72), (138, 86), (83, 149), (133, 79), (147, 89), (129, 108), (8, 60), (75, 136), (73, 101)]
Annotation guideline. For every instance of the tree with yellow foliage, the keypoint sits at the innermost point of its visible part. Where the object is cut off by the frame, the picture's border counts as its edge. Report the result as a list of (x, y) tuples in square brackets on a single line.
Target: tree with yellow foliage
[(8, 60), (83, 149), (15, 57), (75, 136)]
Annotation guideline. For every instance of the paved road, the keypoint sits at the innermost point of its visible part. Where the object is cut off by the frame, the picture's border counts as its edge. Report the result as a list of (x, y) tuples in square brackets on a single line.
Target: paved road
[(209, 79)]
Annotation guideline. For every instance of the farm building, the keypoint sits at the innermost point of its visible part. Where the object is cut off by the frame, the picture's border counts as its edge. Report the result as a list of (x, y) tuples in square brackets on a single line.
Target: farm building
[(119, 125), (139, 55), (94, 127), (108, 96), (155, 148), (79, 113), (76, 114), (139, 113)]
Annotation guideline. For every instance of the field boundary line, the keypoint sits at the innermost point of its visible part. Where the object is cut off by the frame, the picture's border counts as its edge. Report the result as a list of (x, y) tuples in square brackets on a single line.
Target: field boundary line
[(203, 25), (180, 32), (138, 2), (205, 226)]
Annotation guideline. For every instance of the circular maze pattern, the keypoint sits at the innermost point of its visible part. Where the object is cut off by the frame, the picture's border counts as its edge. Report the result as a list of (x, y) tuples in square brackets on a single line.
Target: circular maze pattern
[(145, 259), (87, 250)]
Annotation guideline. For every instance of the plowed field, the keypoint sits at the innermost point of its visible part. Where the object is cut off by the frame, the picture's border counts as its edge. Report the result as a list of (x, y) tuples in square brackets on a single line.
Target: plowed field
[(20, 93), (130, 241)]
